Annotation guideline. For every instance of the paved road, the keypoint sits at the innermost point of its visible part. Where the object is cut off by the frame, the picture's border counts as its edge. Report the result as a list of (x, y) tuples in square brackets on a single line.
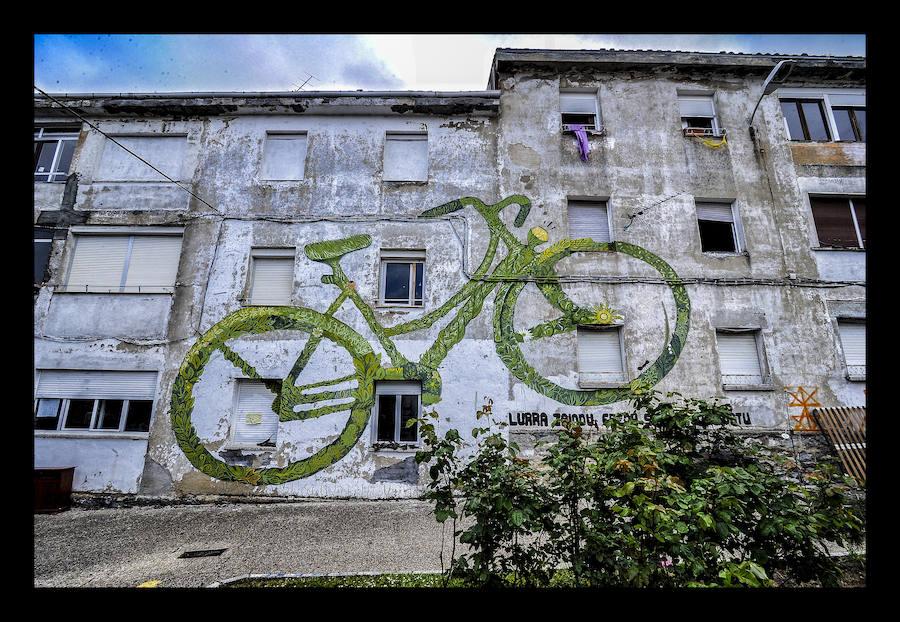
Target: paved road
[(127, 546)]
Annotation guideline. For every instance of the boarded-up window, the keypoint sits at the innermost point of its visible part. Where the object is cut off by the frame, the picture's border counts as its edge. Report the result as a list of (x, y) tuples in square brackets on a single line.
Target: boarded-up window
[(739, 358), (840, 221), (272, 281), (284, 156), (255, 423), (600, 353), (124, 263), (405, 157), (579, 108), (589, 219), (718, 232), (164, 152), (853, 341)]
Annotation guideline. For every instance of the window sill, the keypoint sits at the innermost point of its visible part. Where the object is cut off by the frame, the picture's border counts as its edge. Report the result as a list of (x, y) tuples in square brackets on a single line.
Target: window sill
[(405, 182), (253, 448), (245, 303), (855, 378), (600, 132), (748, 387), (383, 307), (90, 434), (395, 448), (854, 249), (164, 291), (587, 383), (725, 254)]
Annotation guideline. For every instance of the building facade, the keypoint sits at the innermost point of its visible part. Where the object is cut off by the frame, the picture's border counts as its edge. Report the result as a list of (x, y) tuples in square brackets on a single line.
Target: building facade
[(259, 293)]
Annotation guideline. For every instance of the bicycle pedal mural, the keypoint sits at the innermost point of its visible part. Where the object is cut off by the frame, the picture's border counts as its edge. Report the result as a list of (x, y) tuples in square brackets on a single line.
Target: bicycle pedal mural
[(523, 262)]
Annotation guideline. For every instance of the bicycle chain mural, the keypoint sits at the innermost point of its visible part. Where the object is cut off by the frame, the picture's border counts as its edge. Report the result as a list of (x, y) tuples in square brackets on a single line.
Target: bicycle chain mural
[(523, 263)]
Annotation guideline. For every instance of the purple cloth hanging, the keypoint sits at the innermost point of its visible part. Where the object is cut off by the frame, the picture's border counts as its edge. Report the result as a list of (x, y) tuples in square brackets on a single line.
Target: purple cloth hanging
[(581, 136)]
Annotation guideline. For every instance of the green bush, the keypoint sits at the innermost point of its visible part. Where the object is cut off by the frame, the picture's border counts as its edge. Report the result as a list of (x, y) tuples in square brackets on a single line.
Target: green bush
[(674, 500)]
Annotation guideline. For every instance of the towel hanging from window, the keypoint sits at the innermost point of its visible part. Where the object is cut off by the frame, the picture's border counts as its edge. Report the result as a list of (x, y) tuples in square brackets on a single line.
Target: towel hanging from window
[(581, 138)]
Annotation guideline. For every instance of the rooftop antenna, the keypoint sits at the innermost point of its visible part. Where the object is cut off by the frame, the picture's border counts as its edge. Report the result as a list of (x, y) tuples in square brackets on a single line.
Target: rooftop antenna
[(305, 82)]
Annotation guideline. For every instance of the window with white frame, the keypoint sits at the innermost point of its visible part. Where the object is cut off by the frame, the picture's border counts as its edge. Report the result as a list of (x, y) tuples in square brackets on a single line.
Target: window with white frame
[(284, 156), (589, 219), (718, 227), (740, 357), (806, 119), (139, 263), (94, 401), (599, 354), (840, 221), (853, 342), (397, 407), (402, 281), (698, 115), (43, 243), (850, 122), (165, 152), (272, 276), (54, 147), (254, 424), (579, 108), (405, 156), (824, 115)]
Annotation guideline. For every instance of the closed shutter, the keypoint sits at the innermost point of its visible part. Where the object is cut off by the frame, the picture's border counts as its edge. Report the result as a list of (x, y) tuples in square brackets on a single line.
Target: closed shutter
[(739, 358), (719, 212), (578, 103), (405, 157), (110, 385), (588, 220), (98, 262), (254, 421), (166, 153), (853, 339), (153, 262), (696, 106), (600, 352), (273, 281), (284, 156)]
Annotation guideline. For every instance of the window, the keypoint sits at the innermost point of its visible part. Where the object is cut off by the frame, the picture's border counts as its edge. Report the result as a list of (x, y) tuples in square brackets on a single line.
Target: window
[(284, 156), (396, 404), (405, 156), (806, 119), (402, 278), (853, 341), (272, 276), (739, 357), (165, 152), (124, 263), (698, 115), (53, 150), (599, 354), (589, 219), (43, 241), (718, 230), (850, 122), (840, 221), (96, 401), (579, 108), (255, 424)]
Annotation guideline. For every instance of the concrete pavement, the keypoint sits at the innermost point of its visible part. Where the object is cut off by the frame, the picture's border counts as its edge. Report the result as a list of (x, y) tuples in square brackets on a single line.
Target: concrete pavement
[(124, 547)]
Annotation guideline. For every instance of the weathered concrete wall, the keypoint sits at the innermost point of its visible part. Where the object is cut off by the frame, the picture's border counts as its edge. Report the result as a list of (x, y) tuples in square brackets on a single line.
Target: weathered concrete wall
[(107, 465)]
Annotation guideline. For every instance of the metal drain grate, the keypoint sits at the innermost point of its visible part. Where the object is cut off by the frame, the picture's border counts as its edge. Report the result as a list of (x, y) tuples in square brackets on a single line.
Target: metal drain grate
[(202, 553)]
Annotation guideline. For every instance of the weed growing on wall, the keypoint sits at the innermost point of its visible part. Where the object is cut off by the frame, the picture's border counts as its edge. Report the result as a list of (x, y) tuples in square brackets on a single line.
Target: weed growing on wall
[(675, 500)]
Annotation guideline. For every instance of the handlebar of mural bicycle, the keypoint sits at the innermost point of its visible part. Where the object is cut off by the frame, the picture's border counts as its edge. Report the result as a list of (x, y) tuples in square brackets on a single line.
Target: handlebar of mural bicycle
[(522, 201)]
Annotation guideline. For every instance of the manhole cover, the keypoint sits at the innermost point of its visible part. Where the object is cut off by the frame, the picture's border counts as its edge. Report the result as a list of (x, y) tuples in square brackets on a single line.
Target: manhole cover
[(202, 553)]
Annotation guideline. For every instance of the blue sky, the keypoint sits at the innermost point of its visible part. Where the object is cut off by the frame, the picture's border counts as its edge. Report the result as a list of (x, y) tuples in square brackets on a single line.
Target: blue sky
[(136, 63)]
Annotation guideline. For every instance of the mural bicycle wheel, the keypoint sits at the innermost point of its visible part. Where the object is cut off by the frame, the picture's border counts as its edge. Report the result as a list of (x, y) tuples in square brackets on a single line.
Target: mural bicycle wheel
[(508, 339), (254, 321)]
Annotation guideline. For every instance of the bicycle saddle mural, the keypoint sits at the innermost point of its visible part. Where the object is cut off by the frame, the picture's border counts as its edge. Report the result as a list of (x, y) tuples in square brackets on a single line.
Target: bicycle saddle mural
[(523, 263)]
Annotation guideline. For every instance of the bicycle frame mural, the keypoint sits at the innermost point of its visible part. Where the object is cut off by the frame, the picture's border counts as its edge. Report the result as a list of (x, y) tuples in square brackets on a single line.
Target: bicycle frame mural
[(523, 263)]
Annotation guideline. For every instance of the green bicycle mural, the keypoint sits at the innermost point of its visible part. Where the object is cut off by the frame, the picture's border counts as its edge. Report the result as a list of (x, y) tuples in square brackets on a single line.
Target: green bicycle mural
[(523, 263)]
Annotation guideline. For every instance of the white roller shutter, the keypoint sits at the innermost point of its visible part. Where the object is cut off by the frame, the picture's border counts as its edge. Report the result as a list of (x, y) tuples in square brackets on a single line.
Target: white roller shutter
[(853, 339), (153, 262), (844, 99), (589, 220), (111, 385), (254, 420), (578, 103), (739, 358), (696, 106), (98, 262), (273, 281), (600, 352), (405, 157), (166, 153), (720, 212), (284, 156)]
